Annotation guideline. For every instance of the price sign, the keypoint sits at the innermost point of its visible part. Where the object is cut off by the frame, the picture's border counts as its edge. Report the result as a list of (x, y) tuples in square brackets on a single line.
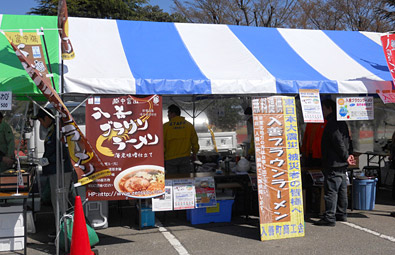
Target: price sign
[(5, 100)]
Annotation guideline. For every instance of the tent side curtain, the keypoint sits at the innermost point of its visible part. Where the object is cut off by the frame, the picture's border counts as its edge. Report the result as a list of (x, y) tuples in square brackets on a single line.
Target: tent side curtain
[(12, 75), (137, 57)]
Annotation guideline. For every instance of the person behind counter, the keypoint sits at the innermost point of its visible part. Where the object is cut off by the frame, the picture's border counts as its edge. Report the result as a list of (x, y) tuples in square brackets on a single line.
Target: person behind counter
[(248, 142), (180, 140), (336, 148), (311, 144), (48, 161), (7, 145)]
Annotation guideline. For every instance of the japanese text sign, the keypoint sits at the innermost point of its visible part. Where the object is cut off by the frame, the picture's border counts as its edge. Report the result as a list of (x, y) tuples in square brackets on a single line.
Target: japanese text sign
[(278, 168), (311, 105), (355, 108), (5, 100), (386, 96), (388, 42), (127, 133)]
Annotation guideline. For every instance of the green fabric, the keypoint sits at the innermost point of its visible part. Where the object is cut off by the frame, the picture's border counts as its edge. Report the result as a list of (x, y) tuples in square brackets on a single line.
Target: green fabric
[(12, 75), (93, 238)]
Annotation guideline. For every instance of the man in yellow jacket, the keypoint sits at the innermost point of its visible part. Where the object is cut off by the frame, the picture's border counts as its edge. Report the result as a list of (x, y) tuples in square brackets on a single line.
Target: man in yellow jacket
[(180, 140)]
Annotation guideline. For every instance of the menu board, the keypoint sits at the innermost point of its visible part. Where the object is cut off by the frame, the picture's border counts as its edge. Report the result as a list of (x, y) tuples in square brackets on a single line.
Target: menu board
[(127, 134), (184, 194), (205, 192), (278, 168), (164, 202)]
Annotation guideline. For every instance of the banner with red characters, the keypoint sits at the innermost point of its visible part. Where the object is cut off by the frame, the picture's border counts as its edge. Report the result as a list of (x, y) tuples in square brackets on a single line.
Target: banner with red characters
[(388, 42)]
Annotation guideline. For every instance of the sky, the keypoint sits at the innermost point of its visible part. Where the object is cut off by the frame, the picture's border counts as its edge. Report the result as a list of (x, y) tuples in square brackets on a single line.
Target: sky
[(21, 7)]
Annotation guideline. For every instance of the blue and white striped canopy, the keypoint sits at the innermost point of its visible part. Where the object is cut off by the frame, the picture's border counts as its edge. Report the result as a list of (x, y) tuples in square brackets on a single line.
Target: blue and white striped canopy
[(136, 57)]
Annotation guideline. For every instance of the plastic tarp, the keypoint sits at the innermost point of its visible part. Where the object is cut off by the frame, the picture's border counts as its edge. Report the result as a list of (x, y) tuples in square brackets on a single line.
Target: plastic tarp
[(137, 57)]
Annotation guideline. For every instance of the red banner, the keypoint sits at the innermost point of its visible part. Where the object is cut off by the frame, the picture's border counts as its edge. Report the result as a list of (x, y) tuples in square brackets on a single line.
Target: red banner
[(63, 25), (388, 42), (86, 163), (127, 133)]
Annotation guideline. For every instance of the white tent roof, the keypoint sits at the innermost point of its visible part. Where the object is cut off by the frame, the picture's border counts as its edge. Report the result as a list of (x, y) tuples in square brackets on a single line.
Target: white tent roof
[(136, 57)]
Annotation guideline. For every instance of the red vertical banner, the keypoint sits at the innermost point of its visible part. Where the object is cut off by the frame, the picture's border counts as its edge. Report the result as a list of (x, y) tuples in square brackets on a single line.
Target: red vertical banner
[(278, 168), (127, 133), (388, 42)]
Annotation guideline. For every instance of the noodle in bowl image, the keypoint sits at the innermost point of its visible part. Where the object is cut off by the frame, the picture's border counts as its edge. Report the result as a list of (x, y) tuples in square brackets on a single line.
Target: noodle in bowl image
[(143, 181)]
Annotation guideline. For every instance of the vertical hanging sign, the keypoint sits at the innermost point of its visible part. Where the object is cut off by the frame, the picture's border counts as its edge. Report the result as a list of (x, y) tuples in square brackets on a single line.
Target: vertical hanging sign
[(86, 163), (388, 42), (278, 168), (127, 134)]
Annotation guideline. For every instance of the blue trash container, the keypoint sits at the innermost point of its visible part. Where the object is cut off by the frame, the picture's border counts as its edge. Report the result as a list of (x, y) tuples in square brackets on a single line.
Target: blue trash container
[(364, 194)]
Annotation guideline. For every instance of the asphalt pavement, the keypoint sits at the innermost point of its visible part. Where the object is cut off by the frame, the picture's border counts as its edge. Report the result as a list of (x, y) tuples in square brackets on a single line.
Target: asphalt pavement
[(366, 232)]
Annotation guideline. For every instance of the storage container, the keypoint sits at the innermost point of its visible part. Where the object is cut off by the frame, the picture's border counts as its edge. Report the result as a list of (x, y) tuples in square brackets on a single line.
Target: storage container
[(220, 213), (11, 224), (147, 217), (364, 194)]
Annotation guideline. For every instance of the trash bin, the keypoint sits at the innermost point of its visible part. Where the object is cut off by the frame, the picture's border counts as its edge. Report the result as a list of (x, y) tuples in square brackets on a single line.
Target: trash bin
[(364, 193)]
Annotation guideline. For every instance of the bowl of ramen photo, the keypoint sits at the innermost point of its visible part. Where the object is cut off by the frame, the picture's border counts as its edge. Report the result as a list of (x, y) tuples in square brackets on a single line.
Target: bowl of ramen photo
[(143, 181)]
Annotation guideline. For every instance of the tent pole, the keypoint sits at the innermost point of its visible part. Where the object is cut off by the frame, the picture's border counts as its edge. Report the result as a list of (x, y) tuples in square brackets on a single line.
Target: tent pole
[(49, 62), (58, 181), (60, 191), (62, 177), (193, 109)]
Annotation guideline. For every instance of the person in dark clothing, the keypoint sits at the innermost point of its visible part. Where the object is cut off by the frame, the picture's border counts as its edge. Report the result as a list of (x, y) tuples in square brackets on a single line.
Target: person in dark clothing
[(7, 145), (336, 150), (48, 161)]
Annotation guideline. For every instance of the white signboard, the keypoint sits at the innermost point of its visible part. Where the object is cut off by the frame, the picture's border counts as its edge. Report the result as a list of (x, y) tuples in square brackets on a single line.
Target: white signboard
[(164, 202), (354, 108), (184, 194), (311, 105), (5, 100)]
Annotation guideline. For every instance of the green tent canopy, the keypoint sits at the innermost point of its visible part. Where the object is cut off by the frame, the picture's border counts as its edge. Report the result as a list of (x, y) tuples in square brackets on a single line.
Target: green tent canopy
[(12, 75)]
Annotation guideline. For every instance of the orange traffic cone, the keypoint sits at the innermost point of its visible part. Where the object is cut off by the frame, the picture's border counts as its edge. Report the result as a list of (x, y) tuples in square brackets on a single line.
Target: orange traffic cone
[(80, 240)]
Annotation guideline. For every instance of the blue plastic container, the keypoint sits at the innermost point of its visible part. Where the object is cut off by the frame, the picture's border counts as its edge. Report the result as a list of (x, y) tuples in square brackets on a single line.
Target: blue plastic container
[(364, 194), (221, 213), (147, 217)]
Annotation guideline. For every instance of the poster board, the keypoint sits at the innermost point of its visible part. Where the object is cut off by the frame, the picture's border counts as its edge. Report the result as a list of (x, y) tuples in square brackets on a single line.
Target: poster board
[(205, 192), (354, 108), (311, 105), (184, 194), (278, 168), (164, 202), (127, 134)]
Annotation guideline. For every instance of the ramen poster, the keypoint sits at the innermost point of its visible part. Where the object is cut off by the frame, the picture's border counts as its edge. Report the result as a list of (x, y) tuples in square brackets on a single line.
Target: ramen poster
[(127, 134)]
